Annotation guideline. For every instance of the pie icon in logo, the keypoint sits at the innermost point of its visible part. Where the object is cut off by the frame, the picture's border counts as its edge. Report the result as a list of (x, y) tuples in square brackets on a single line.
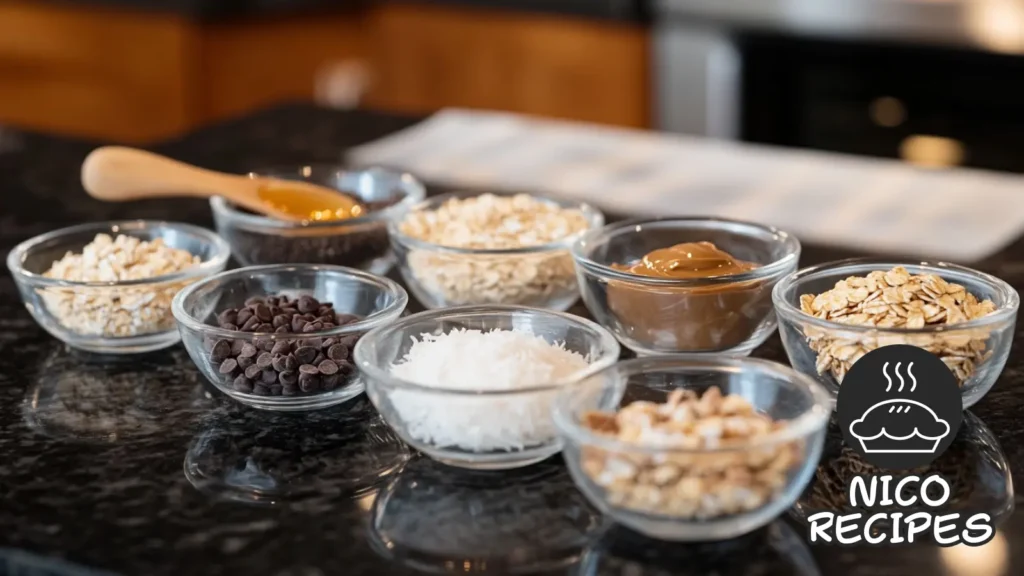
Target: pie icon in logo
[(899, 407)]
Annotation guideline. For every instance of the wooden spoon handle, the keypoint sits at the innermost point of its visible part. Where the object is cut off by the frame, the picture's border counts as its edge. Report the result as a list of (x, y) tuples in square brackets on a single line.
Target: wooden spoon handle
[(115, 173)]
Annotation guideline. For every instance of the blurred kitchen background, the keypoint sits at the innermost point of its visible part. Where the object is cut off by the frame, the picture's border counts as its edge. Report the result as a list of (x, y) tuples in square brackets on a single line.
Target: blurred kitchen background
[(934, 82)]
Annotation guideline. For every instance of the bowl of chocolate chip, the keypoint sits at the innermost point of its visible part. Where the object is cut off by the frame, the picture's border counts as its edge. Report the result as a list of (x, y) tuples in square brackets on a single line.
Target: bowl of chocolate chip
[(280, 337), (357, 241), (684, 285), (833, 314)]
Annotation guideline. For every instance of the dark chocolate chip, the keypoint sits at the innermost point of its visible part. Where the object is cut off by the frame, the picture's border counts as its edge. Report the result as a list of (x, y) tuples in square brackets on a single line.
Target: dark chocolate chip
[(315, 343), (309, 382), (308, 317), (262, 311), (245, 361), (287, 378), (275, 390), (338, 352), (291, 363), (221, 350), (236, 347), (341, 319), (265, 327), (308, 369), (325, 308), (305, 354), (327, 367), (307, 304), (310, 327), (298, 323), (278, 362), (261, 390), (289, 390), (328, 325), (250, 324), (264, 360), (328, 342), (345, 367), (229, 316), (248, 350), (243, 316), (319, 358), (268, 376), (253, 371), (349, 341), (330, 382), (281, 320), (229, 366), (230, 327), (254, 301), (282, 330), (265, 344), (243, 384)]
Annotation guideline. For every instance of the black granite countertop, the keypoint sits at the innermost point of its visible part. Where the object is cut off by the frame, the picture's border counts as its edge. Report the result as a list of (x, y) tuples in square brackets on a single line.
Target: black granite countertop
[(138, 467)]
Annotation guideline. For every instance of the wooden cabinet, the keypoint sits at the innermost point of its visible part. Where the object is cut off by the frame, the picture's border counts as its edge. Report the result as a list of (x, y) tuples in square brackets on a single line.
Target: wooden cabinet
[(137, 76), (425, 57)]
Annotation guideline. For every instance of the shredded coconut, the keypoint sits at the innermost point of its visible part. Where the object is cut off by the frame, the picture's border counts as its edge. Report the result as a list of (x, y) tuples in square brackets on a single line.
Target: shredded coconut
[(472, 360)]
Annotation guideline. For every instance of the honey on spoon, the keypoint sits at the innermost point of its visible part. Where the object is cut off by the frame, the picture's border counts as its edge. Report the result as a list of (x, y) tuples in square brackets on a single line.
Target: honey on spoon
[(116, 174)]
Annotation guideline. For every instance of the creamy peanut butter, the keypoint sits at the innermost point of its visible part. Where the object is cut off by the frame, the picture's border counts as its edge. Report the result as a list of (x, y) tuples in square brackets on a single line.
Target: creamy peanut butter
[(688, 260), (715, 317)]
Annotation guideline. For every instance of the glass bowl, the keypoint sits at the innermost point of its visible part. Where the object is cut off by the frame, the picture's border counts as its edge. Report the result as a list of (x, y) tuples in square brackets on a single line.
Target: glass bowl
[(125, 317), (977, 348), (377, 300), (477, 428), (441, 276), (357, 242), (729, 314), (608, 470)]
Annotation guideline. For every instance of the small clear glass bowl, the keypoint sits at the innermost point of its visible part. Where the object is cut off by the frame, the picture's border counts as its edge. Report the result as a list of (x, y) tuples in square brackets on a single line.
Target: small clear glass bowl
[(377, 300), (357, 242), (603, 467), (442, 276), (477, 428), (729, 314), (984, 343), (126, 317)]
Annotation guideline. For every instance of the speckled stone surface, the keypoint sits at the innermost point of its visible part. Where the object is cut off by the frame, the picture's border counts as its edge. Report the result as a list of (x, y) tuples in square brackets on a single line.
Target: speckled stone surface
[(138, 467)]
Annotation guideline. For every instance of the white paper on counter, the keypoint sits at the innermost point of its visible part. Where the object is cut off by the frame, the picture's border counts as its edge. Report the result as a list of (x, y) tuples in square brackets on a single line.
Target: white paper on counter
[(867, 204)]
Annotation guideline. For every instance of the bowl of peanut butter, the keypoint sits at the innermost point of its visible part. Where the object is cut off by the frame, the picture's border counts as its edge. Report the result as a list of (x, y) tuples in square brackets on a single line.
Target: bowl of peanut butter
[(685, 285)]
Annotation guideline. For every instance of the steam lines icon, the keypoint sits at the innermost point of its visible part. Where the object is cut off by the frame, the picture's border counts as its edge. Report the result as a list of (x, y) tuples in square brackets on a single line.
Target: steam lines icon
[(899, 425)]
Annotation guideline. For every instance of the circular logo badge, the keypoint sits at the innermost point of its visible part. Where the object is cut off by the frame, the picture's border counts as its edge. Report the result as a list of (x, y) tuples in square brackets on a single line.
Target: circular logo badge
[(899, 407)]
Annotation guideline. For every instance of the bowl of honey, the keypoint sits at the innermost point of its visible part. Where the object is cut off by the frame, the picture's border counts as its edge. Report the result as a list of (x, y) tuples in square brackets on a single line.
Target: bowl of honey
[(350, 232)]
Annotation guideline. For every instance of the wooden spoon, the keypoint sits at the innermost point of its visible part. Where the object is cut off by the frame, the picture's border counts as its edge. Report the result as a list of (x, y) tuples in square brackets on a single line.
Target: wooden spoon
[(116, 174)]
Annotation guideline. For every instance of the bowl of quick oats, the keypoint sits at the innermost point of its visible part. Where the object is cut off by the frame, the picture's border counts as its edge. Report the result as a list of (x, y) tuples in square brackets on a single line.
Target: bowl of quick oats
[(833, 314), (457, 249), (107, 287)]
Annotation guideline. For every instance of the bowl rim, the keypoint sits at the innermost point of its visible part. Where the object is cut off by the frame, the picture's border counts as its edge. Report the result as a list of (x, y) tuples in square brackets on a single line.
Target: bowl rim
[(413, 189), (221, 253), (609, 346), (1007, 311), (373, 320), (773, 268), (816, 417), (593, 216)]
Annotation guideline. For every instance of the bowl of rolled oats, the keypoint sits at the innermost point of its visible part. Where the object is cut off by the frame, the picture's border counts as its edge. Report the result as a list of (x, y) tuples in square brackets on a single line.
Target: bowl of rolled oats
[(698, 448), (833, 314), (457, 250), (107, 287)]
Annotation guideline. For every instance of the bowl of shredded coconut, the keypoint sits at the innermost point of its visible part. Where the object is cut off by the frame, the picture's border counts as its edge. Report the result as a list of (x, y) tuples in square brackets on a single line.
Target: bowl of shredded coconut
[(473, 386)]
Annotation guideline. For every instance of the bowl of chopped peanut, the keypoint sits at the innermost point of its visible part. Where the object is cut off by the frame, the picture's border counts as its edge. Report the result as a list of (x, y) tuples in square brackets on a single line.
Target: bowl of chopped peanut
[(459, 250), (693, 448), (107, 287), (833, 314)]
